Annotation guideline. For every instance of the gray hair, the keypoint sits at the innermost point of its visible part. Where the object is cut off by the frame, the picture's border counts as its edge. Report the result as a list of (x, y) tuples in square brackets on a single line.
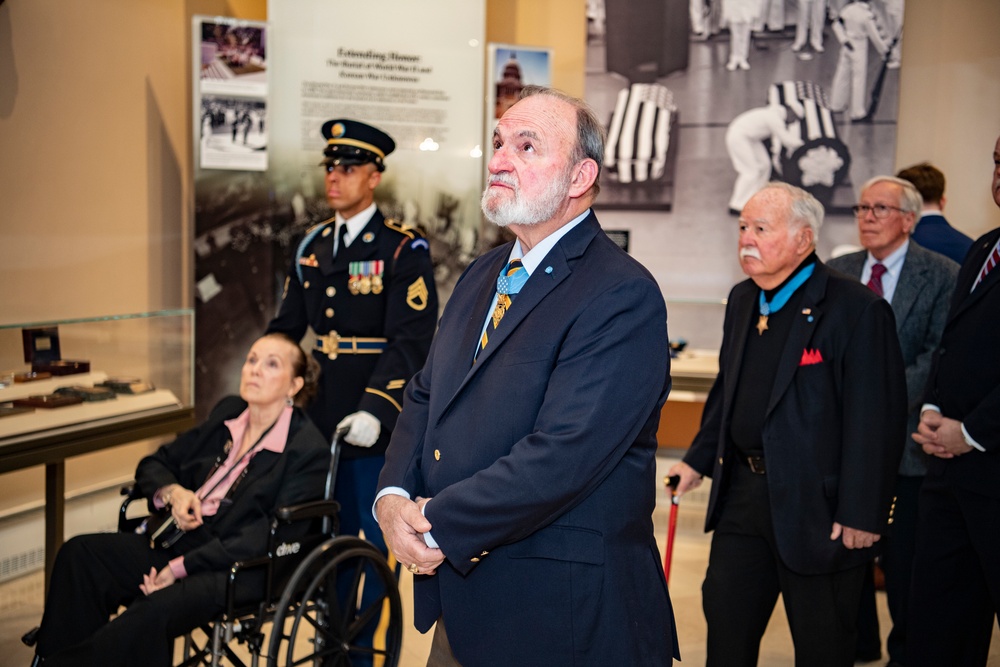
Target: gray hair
[(909, 198), (805, 210), (590, 134)]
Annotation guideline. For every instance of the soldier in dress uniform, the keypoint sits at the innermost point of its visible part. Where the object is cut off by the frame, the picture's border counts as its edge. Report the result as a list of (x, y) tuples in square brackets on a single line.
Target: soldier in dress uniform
[(365, 285)]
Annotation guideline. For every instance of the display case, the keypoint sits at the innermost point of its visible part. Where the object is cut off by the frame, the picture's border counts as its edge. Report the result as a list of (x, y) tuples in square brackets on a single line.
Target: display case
[(72, 387), (697, 325), (695, 329), (143, 362)]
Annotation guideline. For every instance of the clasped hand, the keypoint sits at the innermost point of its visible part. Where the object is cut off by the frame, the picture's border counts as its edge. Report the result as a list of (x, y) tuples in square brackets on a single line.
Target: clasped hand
[(185, 508), (155, 581), (403, 525), (940, 436)]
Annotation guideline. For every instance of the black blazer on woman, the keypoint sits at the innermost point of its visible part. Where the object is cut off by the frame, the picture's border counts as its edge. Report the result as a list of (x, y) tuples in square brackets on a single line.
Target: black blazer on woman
[(239, 531)]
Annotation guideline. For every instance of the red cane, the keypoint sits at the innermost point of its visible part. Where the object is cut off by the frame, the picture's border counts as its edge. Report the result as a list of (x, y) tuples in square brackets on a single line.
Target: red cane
[(671, 483)]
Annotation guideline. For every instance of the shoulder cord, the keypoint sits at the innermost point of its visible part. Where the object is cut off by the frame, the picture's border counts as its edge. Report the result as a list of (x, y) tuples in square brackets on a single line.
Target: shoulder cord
[(302, 246)]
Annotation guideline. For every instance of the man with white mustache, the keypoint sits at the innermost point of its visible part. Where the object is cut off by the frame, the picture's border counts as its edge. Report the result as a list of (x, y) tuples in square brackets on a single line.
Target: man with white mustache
[(802, 434), (520, 480)]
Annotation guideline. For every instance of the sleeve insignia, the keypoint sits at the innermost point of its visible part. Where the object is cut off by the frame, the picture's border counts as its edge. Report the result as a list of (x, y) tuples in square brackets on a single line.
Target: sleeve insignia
[(417, 294), (420, 243)]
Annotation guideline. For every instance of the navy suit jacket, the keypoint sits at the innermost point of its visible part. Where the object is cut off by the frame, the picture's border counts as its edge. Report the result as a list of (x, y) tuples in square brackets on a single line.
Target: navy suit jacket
[(539, 460), (920, 304), (965, 382), (934, 233), (834, 428)]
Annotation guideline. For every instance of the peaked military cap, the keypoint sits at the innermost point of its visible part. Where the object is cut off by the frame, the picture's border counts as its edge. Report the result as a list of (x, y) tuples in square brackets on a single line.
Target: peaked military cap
[(350, 142)]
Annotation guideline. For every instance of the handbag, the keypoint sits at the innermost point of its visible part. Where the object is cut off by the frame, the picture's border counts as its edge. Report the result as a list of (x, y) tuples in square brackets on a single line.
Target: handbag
[(161, 528)]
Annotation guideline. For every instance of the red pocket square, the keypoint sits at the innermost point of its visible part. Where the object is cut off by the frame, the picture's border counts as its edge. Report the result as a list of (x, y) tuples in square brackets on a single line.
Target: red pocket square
[(810, 357)]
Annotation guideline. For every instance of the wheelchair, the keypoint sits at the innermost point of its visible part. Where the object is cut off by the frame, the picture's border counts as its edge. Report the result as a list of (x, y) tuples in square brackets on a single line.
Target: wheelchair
[(300, 603)]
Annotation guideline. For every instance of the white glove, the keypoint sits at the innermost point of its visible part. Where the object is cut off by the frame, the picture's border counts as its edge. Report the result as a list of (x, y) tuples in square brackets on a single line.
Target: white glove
[(364, 426)]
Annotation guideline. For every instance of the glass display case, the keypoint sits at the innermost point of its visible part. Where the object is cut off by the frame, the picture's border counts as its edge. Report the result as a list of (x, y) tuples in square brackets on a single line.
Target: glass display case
[(93, 369), (695, 329), (72, 387)]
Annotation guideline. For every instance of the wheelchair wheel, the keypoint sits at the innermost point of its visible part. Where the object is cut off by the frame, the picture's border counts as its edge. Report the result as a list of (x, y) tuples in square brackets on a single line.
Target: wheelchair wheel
[(337, 595)]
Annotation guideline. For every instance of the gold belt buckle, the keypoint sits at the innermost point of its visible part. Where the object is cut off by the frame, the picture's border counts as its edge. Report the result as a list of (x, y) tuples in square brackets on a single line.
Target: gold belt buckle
[(331, 344)]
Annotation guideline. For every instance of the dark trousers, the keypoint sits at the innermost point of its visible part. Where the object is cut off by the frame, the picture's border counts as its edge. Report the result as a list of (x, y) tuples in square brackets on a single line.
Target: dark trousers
[(92, 577), (956, 577), (440, 654), (898, 546), (897, 561), (869, 645), (357, 480), (745, 576)]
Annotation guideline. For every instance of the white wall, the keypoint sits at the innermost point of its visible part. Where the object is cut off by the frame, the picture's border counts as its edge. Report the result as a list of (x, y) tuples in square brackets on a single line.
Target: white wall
[(949, 107)]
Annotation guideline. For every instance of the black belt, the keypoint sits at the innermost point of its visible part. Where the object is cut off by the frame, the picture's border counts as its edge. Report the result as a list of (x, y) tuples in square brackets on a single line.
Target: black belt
[(755, 463)]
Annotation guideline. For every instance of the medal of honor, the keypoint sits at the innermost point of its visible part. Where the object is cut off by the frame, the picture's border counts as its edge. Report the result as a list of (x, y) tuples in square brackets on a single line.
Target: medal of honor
[(765, 307)]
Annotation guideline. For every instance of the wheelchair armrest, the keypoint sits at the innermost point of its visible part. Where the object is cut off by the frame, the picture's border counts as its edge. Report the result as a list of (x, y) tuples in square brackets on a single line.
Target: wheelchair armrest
[(312, 510), (237, 569), (132, 494)]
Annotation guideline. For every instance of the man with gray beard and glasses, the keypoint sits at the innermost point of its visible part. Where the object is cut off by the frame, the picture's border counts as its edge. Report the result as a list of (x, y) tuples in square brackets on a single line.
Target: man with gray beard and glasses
[(520, 480)]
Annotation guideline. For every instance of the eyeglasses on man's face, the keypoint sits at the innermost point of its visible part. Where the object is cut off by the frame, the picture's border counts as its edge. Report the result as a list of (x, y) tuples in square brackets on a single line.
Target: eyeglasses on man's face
[(881, 211)]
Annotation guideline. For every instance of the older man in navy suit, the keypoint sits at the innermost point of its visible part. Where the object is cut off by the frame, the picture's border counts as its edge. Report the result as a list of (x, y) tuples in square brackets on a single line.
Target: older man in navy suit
[(520, 480), (801, 434), (956, 573), (917, 283)]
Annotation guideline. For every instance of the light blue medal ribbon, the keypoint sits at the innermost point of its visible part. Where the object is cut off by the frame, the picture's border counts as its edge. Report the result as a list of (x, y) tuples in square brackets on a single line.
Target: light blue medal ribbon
[(766, 307), (511, 284)]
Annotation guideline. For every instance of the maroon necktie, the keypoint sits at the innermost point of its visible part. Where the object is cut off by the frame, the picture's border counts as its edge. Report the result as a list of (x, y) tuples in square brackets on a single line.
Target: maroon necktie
[(990, 264), (875, 282)]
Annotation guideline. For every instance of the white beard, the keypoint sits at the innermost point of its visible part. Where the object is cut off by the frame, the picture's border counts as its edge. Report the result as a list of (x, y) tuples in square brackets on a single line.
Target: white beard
[(520, 211)]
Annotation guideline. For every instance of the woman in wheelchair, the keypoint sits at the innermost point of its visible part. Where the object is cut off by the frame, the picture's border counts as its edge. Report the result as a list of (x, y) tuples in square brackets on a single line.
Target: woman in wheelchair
[(221, 482)]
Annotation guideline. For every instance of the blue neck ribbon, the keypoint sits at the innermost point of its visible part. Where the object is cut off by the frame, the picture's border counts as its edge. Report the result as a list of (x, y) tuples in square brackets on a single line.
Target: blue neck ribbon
[(785, 293)]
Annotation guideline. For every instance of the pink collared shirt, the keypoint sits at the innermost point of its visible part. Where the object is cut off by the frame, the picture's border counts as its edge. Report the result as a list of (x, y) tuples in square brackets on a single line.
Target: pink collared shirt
[(230, 469)]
